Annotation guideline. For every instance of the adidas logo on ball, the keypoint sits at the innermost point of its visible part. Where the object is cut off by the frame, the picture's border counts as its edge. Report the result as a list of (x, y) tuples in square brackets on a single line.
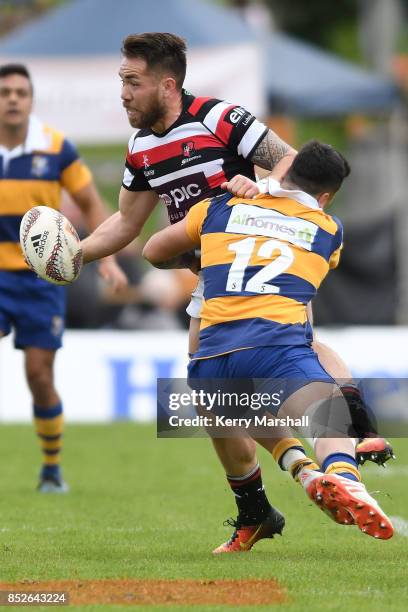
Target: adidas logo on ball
[(39, 241), (50, 245)]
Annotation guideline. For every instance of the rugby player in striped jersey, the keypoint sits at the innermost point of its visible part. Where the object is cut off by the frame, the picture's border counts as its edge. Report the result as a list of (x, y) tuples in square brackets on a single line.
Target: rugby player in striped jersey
[(185, 149)]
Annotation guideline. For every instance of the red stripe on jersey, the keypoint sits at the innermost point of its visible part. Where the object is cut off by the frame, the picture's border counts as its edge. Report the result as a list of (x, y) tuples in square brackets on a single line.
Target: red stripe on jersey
[(224, 129), (216, 179), (172, 149), (198, 103)]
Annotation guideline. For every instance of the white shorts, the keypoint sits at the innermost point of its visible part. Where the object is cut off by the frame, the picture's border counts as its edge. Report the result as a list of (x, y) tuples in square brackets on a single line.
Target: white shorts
[(194, 307)]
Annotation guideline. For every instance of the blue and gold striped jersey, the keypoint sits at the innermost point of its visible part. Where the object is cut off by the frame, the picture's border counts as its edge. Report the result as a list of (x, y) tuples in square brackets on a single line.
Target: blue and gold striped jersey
[(262, 261), (33, 174)]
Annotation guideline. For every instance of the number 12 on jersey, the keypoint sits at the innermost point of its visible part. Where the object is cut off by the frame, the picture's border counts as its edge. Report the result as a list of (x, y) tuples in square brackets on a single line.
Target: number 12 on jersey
[(258, 283)]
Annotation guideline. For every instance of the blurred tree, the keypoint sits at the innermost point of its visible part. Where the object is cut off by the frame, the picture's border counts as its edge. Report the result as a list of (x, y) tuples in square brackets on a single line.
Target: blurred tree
[(315, 21), (14, 13), (332, 25)]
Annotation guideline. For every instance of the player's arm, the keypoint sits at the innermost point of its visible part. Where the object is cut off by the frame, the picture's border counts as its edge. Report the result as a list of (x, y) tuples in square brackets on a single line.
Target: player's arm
[(169, 244), (95, 212), (122, 227), (329, 359), (273, 153)]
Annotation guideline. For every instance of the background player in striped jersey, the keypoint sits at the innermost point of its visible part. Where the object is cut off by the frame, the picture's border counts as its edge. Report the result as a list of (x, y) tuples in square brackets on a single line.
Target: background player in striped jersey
[(185, 150), (36, 163), (263, 260)]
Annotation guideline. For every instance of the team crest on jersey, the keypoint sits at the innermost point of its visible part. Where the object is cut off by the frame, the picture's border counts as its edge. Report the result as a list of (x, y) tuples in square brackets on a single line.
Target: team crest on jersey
[(39, 165), (189, 152), (188, 148)]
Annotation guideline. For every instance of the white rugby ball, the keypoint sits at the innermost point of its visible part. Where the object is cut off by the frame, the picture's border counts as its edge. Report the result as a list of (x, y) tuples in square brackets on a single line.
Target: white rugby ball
[(51, 245)]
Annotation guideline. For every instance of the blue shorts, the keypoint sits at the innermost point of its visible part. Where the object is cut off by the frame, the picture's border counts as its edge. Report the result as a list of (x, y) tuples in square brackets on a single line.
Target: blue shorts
[(282, 369), (32, 307)]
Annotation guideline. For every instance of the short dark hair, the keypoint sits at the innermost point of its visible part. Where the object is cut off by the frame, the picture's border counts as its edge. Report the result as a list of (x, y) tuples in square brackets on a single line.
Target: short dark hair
[(317, 168), (160, 50), (9, 69)]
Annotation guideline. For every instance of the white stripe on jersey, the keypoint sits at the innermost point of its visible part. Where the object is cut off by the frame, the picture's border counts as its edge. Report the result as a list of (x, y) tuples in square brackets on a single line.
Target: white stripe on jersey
[(212, 118), (209, 169), (187, 131), (127, 178), (250, 138)]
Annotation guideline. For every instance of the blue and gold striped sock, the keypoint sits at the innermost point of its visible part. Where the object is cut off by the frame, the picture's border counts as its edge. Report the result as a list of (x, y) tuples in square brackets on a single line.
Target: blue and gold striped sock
[(49, 423), (341, 464), (290, 455)]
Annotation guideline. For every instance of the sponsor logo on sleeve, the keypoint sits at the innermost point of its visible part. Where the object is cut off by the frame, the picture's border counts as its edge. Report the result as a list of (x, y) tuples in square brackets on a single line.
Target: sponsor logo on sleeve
[(237, 114)]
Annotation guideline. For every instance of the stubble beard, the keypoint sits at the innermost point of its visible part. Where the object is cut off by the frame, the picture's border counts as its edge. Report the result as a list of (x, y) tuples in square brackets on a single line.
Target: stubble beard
[(148, 119)]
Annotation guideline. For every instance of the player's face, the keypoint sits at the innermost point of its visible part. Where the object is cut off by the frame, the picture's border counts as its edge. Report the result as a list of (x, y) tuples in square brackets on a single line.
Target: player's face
[(16, 100), (141, 93)]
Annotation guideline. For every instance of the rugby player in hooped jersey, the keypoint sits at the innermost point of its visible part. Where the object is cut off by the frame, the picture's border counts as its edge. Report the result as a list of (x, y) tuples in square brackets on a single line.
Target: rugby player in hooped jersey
[(185, 150), (36, 163), (263, 261)]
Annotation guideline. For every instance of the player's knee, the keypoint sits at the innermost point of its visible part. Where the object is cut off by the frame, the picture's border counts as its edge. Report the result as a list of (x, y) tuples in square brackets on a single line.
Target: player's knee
[(240, 450)]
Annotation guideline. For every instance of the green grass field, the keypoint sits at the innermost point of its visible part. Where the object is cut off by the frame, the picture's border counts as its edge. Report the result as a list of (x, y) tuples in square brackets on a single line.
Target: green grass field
[(147, 508)]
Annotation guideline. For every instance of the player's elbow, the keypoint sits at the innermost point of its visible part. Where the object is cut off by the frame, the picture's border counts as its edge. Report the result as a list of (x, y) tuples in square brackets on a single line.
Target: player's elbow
[(151, 252)]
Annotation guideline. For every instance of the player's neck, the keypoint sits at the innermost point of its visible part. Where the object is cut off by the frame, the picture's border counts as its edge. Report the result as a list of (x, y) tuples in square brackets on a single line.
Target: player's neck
[(173, 112), (12, 137)]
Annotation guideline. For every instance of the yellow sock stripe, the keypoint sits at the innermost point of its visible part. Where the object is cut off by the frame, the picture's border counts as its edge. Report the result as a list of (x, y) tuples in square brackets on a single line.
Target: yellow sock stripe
[(284, 445), (342, 466), (297, 466), (49, 427), (51, 459)]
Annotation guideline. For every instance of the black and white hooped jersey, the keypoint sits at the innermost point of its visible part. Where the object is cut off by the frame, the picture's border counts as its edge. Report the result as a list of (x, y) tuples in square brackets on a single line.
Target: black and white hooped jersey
[(209, 143)]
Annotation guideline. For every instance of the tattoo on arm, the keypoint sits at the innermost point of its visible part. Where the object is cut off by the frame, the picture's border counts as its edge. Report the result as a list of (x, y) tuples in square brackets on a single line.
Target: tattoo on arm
[(270, 151)]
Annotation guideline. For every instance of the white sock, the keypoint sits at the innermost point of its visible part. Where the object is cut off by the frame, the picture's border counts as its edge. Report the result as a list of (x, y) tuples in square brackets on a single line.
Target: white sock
[(292, 456)]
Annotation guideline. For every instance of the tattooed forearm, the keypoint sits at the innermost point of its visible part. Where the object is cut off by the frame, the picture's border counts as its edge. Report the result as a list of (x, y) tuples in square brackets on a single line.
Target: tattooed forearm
[(270, 151)]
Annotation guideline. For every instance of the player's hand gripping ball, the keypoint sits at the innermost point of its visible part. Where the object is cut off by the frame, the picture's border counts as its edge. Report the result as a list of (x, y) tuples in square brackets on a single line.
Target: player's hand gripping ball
[(51, 245)]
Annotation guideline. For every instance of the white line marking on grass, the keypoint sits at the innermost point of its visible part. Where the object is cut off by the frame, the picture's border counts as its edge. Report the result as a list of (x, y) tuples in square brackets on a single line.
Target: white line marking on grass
[(400, 525)]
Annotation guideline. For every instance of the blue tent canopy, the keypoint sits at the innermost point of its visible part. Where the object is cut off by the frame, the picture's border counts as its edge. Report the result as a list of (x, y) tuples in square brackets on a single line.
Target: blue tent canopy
[(303, 80), (93, 27)]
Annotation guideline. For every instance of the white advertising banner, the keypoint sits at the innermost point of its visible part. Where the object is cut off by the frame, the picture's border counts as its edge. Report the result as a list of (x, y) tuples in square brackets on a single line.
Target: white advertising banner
[(101, 376), (109, 375), (81, 95)]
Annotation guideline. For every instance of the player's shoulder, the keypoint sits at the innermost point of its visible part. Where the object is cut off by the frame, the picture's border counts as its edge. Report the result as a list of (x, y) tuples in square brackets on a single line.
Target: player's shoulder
[(135, 141), (199, 106), (337, 221), (44, 137), (338, 233), (219, 205)]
